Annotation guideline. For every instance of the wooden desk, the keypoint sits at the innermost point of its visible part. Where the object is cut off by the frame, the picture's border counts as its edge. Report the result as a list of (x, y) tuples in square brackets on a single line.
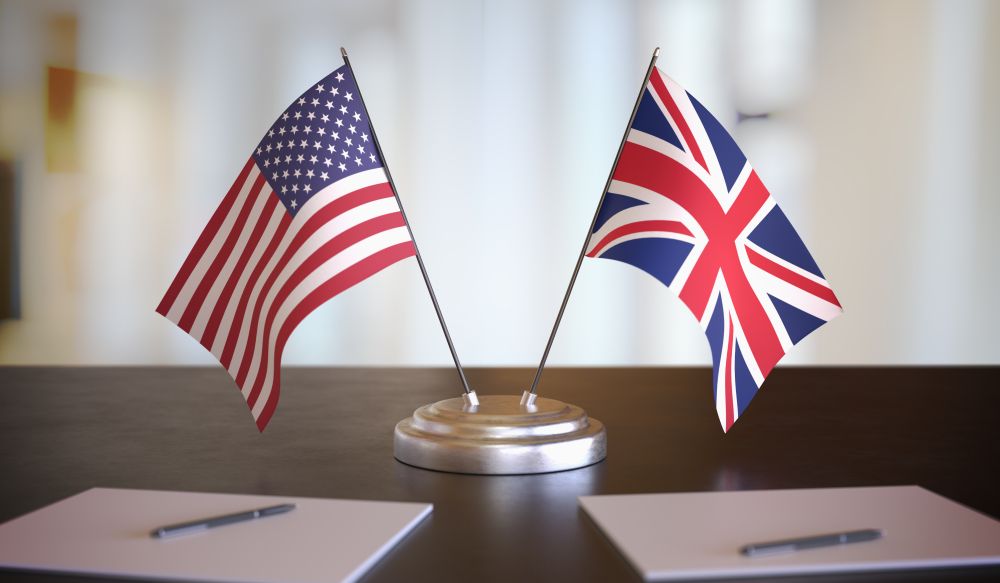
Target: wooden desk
[(63, 430)]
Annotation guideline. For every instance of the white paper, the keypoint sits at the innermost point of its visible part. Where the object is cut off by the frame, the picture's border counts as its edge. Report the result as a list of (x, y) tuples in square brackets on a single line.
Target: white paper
[(698, 535), (106, 531)]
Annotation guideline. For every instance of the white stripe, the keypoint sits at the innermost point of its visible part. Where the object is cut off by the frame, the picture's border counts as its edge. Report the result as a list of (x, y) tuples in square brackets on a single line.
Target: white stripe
[(222, 334), (655, 200), (350, 256), (684, 157), (659, 205), (657, 208), (645, 235), (181, 302), (311, 207), (766, 283), (242, 339), (340, 224), (717, 181), (748, 356), (317, 239), (720, 382), (761, 214), (789, 266), (323, 235), (684, 271), (713, 298), (212, 298), (732, 375), (760, 289), (749, 269), (729, 197), (339, 189), (730, 327)]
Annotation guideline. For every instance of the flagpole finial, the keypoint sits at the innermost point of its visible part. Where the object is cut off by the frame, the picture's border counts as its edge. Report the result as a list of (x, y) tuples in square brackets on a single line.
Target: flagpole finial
[(343, 52), (656, 52)]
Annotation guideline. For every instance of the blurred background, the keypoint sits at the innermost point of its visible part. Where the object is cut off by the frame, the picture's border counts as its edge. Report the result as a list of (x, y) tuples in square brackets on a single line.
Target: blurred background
[(874, 124)]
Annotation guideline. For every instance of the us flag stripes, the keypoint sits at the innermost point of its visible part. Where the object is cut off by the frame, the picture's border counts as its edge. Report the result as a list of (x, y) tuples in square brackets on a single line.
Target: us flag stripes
[(311, 214), (685, 206)]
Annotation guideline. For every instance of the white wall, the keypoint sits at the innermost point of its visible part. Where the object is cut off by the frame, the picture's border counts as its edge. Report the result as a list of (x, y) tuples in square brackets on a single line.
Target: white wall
[(500, 121)]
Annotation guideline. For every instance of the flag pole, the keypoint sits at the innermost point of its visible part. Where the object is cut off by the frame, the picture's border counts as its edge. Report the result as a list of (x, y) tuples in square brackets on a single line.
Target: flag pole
[(529, 397), (420, 261)]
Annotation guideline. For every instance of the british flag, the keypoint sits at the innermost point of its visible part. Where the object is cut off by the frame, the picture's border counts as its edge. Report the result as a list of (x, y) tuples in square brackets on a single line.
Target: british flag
[(685, 206)]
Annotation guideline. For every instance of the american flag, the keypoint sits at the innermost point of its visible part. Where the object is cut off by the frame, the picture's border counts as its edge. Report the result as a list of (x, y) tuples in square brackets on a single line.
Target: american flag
[(311, 214), (685, 206)]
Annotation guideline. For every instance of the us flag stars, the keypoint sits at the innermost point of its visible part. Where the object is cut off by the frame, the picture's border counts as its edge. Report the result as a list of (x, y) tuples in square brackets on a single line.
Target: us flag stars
[(323, 137)]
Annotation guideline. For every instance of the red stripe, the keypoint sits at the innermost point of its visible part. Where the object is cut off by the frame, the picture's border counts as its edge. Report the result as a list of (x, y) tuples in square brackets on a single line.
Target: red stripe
[(748, 203), (729, 376), (669, 178), (315, 222), (328, 250), (697, 289), (335, 285), (720, 251), (204, 240), (234, 329), (757, 326), (198, 298), (254, 242), (640, 227), (652, 170), (781, 272), (675, 113), (761, 338)]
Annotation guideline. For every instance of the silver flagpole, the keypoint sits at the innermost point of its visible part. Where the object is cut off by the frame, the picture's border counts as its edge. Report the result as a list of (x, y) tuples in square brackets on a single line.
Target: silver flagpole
[(586, 241), (461, 434), (420, 261)]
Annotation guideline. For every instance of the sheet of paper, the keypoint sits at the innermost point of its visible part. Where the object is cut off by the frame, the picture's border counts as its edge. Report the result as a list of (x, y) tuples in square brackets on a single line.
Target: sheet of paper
[(106, 531), (698, 535)]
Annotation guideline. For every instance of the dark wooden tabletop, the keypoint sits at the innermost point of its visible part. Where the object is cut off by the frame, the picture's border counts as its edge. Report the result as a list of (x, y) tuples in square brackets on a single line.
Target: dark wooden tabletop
[(63, 430)]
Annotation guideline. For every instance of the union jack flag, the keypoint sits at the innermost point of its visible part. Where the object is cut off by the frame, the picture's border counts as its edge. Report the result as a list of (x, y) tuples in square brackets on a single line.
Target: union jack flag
[(685, 206)]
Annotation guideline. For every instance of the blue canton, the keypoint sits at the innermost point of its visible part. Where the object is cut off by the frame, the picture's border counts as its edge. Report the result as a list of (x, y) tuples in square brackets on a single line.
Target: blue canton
[(323, 136)]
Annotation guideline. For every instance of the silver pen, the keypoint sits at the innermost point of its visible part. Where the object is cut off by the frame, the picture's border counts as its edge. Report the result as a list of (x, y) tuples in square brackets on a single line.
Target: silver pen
[(811, 542), (207, 523)]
